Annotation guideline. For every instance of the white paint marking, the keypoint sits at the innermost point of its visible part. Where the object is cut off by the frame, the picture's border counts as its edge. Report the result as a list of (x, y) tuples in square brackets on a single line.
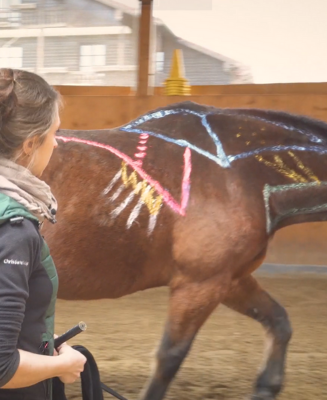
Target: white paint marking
[(136, 210), (117, 193), (125, 203), (152, 223), (112, 183)]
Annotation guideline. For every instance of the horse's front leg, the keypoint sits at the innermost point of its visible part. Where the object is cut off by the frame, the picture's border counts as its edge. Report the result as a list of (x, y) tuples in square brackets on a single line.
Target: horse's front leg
[(190, 305), (248, 298)]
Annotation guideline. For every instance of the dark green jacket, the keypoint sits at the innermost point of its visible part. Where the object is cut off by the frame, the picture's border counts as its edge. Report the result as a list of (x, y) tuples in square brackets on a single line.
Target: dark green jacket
[(28, 291)]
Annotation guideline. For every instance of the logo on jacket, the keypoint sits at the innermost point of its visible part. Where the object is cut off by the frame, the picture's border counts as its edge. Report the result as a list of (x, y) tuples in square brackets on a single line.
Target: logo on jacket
[(15, 262)]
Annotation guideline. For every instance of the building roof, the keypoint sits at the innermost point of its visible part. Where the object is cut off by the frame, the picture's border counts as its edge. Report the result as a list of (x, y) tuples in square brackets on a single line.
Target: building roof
[(206, 51), (119, 6), (135, 12)]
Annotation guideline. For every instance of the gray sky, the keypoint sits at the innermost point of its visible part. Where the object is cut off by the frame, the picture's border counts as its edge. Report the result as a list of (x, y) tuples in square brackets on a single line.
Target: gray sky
[(280, 40)]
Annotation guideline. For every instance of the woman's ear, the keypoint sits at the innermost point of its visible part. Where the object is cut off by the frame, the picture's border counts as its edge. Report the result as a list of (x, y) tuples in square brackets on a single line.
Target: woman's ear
[(28, 146)]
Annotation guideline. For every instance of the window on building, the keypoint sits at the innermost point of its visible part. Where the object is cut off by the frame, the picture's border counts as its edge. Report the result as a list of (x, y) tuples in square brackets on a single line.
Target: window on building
[(92, 56), (11, 57), (8, 3), (160, 61), (15, 18), (9, 15), (118, 15)]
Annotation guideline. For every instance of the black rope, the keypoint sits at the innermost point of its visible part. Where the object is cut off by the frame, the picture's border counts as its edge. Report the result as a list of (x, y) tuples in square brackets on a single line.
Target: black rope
[(91, 384), (112, 392), (90, 377)]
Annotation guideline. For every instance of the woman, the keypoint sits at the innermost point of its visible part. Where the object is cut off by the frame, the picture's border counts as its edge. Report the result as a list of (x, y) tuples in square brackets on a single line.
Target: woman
[(29, 120)]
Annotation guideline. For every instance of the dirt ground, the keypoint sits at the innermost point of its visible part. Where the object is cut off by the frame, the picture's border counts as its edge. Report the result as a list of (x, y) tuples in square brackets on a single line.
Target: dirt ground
[(122, 334)]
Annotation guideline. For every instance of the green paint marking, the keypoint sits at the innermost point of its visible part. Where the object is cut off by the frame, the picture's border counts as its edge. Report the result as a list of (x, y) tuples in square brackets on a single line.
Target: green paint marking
[(268, 190)]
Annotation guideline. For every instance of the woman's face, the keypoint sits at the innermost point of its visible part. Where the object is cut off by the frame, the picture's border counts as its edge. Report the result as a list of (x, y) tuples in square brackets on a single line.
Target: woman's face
[(42, 154)]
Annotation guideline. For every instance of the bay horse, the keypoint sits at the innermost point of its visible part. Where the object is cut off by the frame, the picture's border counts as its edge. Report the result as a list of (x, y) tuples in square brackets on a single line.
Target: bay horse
[(187, 196)]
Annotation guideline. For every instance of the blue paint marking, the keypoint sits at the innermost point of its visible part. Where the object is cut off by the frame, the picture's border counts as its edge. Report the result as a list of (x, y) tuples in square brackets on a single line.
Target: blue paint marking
[(179, 142), (277, 148), (220, 151), (161, 114), (220, 158)]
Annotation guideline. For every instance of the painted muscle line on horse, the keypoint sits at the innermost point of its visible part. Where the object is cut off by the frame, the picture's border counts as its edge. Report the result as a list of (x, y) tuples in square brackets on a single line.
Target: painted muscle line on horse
[(203, 116), (220, 158), (268, 191), (142, 188), (314, 149), (147, 198), (138, 187), (304, 175), (142, 149)]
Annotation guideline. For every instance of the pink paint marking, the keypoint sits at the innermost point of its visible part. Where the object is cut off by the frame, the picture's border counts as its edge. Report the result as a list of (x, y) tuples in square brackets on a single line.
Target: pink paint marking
[(143, 140), (167, 197), (140, 155), (141, 148), (186, 182)]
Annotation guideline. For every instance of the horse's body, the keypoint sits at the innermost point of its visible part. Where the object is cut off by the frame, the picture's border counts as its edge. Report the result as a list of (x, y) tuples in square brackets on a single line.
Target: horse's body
[(187, 196)]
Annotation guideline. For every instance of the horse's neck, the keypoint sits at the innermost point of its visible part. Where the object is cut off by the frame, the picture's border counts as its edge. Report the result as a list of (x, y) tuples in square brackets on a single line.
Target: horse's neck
[(295, 203)]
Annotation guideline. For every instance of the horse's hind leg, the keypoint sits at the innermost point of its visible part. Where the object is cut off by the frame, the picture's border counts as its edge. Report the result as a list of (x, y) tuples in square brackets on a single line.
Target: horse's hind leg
[(190, 305), (248, 298)]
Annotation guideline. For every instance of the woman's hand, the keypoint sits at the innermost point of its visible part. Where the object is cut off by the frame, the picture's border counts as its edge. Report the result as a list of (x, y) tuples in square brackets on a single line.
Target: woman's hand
[(73, 363)]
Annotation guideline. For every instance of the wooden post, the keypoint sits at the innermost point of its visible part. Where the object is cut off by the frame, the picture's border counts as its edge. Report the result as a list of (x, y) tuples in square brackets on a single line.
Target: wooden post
[(144, 48)]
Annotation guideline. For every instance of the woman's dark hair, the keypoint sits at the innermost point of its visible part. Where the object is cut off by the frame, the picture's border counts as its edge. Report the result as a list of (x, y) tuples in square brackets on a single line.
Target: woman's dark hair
[(28, 108)]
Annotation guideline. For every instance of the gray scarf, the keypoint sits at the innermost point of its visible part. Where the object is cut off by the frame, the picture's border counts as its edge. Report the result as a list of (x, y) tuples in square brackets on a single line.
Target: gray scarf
[(21, 185)]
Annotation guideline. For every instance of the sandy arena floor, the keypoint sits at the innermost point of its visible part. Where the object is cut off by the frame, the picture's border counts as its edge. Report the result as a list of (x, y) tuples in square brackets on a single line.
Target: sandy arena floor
[(122, 335)]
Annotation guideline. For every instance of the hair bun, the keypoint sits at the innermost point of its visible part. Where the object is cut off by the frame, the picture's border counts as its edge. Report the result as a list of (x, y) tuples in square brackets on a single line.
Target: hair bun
[(8, 99)]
